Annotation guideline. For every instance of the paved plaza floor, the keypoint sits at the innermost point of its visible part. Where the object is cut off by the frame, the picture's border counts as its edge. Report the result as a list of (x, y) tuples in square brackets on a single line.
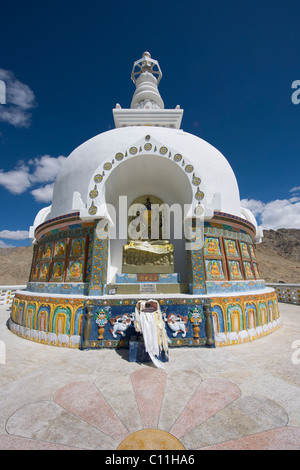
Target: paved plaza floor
[(244, 396)]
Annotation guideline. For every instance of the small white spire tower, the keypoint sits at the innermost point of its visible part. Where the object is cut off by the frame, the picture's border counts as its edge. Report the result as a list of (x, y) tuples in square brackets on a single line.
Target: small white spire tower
[(147, 107)]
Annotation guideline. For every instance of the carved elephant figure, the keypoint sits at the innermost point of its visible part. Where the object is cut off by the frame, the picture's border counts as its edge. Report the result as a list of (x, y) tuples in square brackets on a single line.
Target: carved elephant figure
[(63, 340), (52, 339)]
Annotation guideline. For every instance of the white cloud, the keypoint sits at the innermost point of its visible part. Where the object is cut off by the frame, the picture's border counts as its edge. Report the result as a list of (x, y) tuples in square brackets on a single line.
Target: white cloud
[(295, 189), (14, 234), (46, 168), (20, 99), (43, 193), (253, 205), (16, 181), (281, 213), (42, 169)]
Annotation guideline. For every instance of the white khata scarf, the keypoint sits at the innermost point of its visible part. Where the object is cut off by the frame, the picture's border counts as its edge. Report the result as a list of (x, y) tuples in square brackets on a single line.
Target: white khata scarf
[(152, 327)]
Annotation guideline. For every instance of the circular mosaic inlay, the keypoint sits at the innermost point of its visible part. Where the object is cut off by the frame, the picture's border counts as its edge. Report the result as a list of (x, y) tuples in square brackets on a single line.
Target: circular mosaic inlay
[(199, 195), (98, 178), (119, 156), (93, 209), (163, 150), (150, 439), (107, 166), (148, 146), (196, 181), (189, 168), (177, 157), (133, 150), (94, 193)]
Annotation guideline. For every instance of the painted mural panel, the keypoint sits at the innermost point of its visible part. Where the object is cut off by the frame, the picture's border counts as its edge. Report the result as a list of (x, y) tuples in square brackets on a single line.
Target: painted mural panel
[(212, 246), (48, 251), (248, 270), (231, 248), (252, 252), (44, 271), (214, 269), (244, 250), (75, 271), (60, 249), (77, 247), (256, 272), (114, 325), (235, 272), (58, 271)]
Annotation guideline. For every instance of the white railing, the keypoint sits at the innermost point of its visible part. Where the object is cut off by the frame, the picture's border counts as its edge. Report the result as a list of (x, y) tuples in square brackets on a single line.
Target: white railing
[(288, 293), (7, 293)]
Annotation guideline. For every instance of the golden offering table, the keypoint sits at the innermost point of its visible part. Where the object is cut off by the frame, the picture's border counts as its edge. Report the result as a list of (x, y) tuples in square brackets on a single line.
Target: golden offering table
[(156, 256)]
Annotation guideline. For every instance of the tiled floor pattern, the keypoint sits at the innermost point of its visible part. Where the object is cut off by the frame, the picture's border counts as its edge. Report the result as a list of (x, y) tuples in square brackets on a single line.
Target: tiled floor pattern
[(237, 397), (194, 420)]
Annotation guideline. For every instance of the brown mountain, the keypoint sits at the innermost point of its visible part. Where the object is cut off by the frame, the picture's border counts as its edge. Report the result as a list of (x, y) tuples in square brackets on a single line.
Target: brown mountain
[(278, 256)]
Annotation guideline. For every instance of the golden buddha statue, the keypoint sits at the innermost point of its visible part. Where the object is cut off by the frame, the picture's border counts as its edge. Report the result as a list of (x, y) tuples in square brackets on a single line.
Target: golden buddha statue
[(231, 248), (235, 270), (142, 254), (214, 270), (212, 246)]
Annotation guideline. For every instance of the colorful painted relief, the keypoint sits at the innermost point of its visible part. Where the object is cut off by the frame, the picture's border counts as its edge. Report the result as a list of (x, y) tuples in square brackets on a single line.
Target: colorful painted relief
[(35, 272), (58, 271), (235, 270), (248, 270), (77, 247), (244, 250), (75, 271), (252, 252), (120, 324), (60, 249), (214, 269), (231, 248), (48, 251), (256, 272), (177, 324), (212, 246), (44, 272)]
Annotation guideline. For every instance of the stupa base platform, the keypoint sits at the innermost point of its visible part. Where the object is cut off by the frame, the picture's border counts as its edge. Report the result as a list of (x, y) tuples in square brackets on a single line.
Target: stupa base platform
[(86, 322)]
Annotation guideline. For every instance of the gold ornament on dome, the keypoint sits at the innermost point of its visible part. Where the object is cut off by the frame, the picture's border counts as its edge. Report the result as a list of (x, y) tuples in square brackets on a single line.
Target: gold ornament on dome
[(133, 150), (189, 168), (94, 193), (98, 178), (177, 157), (199, 194), (107, 166), (119, 156), (93, 209), (163, 150), (196, 181)]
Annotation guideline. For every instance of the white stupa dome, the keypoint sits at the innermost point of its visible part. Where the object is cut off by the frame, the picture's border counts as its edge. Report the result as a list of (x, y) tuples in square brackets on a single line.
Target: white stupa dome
[(166, 177), (147, 153)]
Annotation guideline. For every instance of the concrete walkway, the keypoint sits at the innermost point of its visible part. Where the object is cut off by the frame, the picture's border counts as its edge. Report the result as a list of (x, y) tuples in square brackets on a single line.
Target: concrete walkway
[(236, 397)]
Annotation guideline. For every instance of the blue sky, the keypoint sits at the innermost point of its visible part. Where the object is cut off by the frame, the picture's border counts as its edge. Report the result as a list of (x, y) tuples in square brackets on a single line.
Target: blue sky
[(229, 64)]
